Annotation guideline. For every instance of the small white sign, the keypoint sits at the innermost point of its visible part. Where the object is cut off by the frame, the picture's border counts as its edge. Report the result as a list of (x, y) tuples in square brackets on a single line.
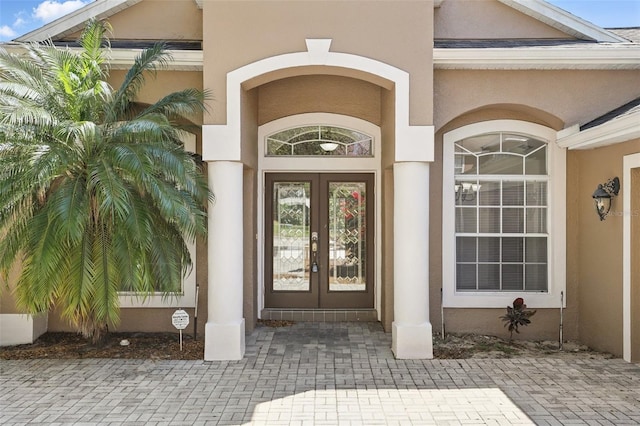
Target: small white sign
[(180, 319)]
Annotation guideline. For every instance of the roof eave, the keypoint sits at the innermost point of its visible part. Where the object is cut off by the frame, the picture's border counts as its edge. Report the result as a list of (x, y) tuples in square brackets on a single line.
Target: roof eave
[(543, 58), (563, 20), (618, 130), (76, 20), (181, 60)]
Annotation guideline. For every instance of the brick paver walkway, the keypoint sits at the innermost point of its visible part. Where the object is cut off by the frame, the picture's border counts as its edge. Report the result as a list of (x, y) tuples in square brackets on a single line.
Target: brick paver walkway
[(321, 374)]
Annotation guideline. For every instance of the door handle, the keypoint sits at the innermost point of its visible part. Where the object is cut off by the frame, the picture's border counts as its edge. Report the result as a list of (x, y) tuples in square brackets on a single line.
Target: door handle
[(314, 251)]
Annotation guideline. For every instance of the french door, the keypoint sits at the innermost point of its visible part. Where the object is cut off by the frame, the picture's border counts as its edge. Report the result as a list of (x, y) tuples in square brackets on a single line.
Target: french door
[(319, 240)]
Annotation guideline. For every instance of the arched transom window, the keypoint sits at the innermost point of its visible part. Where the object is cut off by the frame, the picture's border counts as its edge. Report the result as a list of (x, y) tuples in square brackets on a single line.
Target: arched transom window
[(319, 140)]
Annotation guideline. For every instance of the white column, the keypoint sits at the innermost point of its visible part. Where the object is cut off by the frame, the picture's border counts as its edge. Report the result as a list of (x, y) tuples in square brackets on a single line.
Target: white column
[(224, 331), (411, 331)]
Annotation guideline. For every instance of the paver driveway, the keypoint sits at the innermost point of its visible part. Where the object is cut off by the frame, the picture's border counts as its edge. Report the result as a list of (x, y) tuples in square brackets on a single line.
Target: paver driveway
[(320, 373)]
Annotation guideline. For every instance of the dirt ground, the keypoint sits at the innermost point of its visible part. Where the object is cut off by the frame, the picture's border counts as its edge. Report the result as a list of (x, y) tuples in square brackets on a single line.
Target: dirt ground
[(159, 346)]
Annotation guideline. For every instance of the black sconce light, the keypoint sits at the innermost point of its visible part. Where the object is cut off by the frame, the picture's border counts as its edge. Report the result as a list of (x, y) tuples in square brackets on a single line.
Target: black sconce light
[(466, 191), (602, 196)]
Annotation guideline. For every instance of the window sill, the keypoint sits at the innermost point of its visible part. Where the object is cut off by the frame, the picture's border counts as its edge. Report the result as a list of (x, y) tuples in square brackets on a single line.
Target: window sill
[(501, 300)]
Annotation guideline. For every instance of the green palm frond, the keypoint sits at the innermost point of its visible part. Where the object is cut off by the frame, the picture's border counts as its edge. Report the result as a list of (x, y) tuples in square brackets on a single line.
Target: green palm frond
[(97, 196)]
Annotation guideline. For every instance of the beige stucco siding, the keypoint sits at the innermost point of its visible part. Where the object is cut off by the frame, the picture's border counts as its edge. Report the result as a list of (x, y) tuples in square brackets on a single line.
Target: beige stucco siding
[(597, 245), (156, 20), (159, 85), (487, 19), (545, 324), (574, 97), (7, 299), (319, 93), (240, 33)]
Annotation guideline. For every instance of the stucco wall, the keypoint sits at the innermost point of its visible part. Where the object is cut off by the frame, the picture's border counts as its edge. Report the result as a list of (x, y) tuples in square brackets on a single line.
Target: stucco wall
[(570, 95), (635, 266), (240, 33), (545, 324), (319, 93), (163, 83), (555, 99), (487, 19), (599, 245), (156, 20)]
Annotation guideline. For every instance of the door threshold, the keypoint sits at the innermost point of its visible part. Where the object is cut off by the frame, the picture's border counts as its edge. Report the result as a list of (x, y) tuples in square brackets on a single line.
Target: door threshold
[(319, 315)]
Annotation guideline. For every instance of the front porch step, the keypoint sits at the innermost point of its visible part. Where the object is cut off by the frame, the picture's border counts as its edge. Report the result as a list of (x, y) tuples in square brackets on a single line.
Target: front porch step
[(320, 315)]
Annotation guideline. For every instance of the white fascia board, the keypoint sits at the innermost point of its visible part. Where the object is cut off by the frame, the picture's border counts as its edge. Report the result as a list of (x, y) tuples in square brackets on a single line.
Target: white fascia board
[(542, 58), (181, 60), (76, 20), (618, 130), (199, 3), (562, 20), (118, 59)]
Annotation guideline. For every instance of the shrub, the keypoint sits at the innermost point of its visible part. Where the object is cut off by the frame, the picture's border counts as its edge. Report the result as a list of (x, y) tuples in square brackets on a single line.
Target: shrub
[(517, 316)]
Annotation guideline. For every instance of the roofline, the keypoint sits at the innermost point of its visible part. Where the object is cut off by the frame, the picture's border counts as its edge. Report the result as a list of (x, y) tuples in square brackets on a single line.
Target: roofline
[(76, 20), (563, 20), (118, 59), (618, 130), (542, 58), (537, 9), (593, 58), (181, 60)]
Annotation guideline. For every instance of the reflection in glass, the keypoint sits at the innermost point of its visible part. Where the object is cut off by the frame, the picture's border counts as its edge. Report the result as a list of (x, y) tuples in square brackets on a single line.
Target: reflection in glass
[(291, 202), (347, 236), (319, 141)]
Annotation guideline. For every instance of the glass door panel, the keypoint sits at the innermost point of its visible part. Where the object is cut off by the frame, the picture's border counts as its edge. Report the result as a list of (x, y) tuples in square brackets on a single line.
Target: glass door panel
[(318, 240), (291, 230), (347, 236)]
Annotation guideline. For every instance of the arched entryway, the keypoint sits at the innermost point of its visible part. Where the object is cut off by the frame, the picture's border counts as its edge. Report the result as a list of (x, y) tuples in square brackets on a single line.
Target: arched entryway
[(232, 155)]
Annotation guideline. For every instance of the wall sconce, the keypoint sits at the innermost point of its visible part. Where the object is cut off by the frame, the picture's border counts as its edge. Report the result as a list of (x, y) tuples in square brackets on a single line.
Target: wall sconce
[(602, 196), (466, 191)]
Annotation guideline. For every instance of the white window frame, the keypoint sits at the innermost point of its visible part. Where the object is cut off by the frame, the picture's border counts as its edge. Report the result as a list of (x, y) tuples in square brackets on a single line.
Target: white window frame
[(556, 220), (186, 298)]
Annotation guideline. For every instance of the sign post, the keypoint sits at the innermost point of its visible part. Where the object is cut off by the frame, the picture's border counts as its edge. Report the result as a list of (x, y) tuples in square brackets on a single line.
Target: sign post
[(180, 320)]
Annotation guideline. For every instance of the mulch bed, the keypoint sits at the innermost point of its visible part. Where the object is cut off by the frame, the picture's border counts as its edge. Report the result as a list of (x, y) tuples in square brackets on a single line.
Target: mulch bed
[(141, 346), (165, 346)]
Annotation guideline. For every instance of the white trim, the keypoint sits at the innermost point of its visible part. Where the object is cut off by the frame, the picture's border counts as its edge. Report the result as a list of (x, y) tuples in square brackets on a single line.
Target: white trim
[(617, 130), (20, 329), (605, 57), (222, 141), (320, 164), (556, 220), (187, 297), (562, 20), (76, 20), (629, 162), (181, 60)]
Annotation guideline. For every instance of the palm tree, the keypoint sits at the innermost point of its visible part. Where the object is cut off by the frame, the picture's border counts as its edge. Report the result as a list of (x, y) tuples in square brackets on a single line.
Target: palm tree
[(96, 192)]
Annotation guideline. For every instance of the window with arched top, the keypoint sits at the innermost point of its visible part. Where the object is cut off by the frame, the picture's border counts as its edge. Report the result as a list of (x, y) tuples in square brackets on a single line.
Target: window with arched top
[(501, 213), (503, 206), (319, 140)]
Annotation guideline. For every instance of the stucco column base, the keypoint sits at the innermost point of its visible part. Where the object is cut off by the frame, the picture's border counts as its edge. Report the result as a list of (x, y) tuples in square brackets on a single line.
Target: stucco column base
[(224, 342), (412, 341)]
